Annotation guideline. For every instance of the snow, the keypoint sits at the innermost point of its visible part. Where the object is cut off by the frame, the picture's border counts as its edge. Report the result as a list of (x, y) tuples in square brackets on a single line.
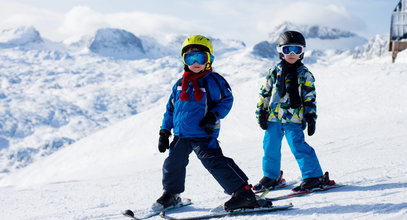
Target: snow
[(19, 36), (112, 109), (117, 43)]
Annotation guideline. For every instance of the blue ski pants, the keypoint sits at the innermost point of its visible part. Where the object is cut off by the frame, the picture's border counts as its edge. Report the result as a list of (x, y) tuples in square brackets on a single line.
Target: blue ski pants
[(304, 154), (208, 151)]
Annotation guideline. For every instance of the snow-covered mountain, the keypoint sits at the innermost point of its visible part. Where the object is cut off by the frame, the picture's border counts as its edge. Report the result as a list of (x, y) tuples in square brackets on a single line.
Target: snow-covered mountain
[(20, 37), (321, 41), (117, 43)]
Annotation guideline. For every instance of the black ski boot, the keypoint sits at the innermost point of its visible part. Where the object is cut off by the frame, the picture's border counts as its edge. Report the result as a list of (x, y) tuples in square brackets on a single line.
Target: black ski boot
[(268, 183), (309, 184), (242, 198), (168, 199), (314, 183)]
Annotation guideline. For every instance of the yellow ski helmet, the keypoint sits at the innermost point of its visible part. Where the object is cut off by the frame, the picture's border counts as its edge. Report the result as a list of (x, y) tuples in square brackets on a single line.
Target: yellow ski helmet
[(198, 41)]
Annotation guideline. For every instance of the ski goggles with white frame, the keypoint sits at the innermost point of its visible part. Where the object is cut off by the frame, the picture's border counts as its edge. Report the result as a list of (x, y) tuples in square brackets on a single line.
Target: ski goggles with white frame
[(200, 57), (288, 49)]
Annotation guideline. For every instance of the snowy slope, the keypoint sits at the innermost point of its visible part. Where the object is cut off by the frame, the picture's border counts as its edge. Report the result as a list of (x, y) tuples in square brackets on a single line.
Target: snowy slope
[(109, 109), (360, 139)]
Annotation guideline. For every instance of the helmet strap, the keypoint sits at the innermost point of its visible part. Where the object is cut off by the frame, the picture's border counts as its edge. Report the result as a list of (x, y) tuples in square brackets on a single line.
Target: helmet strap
[(208, 66)]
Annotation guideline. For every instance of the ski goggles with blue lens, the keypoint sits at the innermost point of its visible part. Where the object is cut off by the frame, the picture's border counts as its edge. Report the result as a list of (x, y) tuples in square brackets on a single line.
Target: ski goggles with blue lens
[(287, 49), (197, 56)]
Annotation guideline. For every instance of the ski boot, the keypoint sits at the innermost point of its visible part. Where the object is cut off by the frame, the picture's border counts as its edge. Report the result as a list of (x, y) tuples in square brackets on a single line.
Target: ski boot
[(267, 183), (166, 200), (242, 198), (314, 183)]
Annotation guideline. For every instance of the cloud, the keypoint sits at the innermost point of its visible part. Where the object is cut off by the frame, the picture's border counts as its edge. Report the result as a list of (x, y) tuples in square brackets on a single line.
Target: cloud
[(253, 20), (249, 21), (82, 20), (16, 14)]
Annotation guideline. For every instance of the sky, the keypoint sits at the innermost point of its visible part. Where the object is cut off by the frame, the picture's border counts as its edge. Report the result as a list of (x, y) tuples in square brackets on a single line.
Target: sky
[(247, 20)]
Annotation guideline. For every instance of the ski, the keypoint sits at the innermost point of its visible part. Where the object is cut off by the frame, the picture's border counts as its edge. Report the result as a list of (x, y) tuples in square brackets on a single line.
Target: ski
[(151, 213), (282, 184), (279, 186), (232, 213), (303, 193), (260, 194), (330, 184)]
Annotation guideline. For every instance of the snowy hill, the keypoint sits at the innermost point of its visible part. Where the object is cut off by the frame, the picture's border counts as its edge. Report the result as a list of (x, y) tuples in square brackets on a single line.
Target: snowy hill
[(19, 37), (116, 43), (97, 119)]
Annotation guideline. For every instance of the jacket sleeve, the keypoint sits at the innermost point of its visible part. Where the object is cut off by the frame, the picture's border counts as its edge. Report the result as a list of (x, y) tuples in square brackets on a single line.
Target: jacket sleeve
[(224, 105), (265, 93), (308, 94), (168, 122)]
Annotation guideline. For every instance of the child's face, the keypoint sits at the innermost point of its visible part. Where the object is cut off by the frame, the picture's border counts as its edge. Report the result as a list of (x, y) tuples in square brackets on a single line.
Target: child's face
[(196, 67), (291, 58)]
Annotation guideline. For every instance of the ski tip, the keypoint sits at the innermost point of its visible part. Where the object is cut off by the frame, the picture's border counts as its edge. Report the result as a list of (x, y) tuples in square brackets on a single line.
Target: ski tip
[(128, 212)]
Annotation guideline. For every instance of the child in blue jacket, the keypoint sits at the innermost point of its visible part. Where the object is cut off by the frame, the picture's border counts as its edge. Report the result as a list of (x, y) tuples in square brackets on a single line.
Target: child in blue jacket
[(197, 103)]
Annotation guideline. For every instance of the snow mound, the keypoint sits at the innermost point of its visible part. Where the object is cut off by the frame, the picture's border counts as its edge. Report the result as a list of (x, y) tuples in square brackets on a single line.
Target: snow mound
[(117, 43), (21, 36), (376, 47), (401, 57)]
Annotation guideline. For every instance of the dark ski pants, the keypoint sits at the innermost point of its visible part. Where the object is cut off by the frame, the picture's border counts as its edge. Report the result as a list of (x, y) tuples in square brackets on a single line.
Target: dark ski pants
[(224, 169)]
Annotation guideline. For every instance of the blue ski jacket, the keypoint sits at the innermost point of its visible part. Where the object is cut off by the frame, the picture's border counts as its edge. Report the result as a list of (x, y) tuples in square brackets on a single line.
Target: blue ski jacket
[(184, 116)]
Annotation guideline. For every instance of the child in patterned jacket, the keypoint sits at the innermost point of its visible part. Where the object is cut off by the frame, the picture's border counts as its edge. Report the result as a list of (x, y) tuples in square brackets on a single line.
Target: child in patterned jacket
[(287, 105)]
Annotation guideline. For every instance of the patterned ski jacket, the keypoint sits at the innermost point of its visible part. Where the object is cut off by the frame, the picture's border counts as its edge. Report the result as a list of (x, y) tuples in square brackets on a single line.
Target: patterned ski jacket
[(184, 116), (279, 108)]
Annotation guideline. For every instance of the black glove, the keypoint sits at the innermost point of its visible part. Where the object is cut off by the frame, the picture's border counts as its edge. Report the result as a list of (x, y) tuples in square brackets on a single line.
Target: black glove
[(164, 140), (310, 119), (263, 118), (208, 122)]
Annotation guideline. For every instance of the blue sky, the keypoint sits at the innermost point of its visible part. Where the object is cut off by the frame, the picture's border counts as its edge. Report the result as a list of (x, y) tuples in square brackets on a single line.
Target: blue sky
[(246, 20)]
